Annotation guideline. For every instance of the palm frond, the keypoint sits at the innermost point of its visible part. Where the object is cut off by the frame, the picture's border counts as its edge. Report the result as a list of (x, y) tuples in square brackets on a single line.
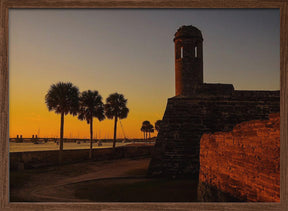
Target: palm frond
[(116, 106), (63, 97), (91, 106)]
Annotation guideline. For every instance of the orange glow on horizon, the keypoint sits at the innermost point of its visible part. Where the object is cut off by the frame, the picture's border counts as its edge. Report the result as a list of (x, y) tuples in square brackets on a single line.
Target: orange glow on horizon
[(29, 118)]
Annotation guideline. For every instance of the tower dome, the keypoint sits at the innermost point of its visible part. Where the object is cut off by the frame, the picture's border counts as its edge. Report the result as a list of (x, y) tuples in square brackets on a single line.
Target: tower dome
[(188, 31)]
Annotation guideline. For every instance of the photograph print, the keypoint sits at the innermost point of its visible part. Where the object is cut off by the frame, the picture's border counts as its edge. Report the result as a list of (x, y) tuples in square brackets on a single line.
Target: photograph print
[(144, 105)]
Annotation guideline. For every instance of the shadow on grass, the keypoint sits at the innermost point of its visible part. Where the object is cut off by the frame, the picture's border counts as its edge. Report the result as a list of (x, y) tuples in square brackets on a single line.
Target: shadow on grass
[(128, 186), (136, 190)]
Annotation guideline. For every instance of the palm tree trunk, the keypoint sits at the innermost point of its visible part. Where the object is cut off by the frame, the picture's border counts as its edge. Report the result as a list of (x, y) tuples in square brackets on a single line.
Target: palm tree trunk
[(115, 130), (61, 139), (91, 137)]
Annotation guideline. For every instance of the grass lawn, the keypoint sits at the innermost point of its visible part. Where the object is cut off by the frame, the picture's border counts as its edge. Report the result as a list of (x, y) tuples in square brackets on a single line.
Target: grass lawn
[(102, 181), (137, 190)]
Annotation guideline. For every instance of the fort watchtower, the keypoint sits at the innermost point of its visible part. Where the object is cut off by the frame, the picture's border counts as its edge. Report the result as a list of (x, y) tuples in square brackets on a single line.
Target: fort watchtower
[(188, 60), (200, 108)]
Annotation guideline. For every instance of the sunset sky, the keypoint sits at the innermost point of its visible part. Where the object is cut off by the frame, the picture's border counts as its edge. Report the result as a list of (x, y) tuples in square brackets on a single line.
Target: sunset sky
[(129, 51)]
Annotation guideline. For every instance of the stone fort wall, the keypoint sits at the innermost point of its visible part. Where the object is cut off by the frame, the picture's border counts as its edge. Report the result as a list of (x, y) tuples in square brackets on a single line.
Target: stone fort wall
[(244, 162), (186, 119)]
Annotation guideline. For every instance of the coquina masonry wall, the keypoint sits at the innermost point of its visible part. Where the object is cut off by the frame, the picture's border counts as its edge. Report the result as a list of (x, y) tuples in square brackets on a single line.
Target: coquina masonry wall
[(244, 162), (186, 119)]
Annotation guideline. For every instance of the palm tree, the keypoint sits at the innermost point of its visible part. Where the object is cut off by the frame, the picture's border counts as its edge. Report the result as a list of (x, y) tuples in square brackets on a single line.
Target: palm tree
[(91, 105), (150, 129), (115, 107), (145, 128), (158, 124), (63, 98), (144, 131)]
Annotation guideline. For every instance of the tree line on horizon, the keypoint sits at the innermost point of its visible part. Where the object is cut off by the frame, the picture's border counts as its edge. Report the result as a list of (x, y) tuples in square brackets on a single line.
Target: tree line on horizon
[(65, 98), (148, 128)]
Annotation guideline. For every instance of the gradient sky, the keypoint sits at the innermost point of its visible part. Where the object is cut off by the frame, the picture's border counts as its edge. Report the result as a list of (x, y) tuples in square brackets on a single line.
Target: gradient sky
[(129, 51)]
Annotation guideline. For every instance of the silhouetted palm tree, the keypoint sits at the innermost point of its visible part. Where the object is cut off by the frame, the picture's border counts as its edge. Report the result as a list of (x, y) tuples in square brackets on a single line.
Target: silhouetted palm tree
[(145, 128), (91, 105), (115, 107), (63, 98), (158, 125), (144, 131), (150, 130)]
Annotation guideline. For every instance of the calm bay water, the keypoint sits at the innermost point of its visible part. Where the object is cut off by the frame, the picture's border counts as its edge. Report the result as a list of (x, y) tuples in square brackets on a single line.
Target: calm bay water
[(23, 147)]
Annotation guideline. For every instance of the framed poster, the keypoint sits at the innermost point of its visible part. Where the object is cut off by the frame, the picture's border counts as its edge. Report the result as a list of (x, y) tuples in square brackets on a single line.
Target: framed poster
[(128, 47)]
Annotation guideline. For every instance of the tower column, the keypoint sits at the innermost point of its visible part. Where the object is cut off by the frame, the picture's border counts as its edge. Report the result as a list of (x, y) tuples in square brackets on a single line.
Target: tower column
[(188, 60)]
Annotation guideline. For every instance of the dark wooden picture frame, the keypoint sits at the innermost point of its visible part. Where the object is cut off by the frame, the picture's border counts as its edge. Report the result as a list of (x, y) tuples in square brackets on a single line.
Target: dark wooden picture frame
[(5, 5)]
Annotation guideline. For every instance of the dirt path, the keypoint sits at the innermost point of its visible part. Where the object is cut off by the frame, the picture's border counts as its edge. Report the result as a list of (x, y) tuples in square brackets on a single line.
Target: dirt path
[(48, 184)]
